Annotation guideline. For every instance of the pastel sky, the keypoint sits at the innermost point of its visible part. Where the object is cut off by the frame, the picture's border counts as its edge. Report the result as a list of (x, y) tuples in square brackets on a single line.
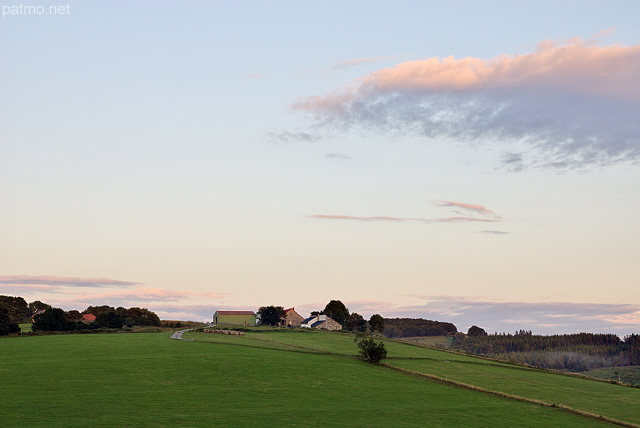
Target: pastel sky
[(469, 162)]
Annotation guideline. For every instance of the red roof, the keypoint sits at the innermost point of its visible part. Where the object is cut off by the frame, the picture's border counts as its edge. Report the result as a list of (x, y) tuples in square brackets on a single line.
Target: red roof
[(88, 317), (236, 313)]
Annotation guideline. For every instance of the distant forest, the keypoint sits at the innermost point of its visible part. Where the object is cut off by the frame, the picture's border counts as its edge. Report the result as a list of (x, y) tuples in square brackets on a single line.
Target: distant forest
[(410, 327), (571, 352)]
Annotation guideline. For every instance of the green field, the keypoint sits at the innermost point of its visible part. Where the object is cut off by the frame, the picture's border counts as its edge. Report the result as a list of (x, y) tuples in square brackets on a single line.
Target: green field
[(287, 379), (442, 341), (629, 375)]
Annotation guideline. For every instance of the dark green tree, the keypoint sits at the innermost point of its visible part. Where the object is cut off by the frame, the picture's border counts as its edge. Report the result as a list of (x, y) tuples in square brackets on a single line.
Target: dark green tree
[(370, 350), (356, 323), (17, 308), (139, 316), (376, 322), (408, 327), (73, 315), (97, 310), (270, 315), (338, 311), (38, 306), (474, 330), (110, 320), (53, 319), (6, 326)]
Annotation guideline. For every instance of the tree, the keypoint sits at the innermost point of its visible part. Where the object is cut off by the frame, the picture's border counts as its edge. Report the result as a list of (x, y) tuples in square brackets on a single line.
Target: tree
[(73, 315), (53, 319), (17, 308), (110, 320), (139, 316), (37, 306), (356, 323), (97, 310), (6, 326), (338, 311), (376, 323), (371, 350), (474, 330), (270, 315)]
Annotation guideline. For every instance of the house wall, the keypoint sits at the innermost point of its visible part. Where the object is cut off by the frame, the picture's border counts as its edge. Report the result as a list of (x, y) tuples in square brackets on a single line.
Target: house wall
[(293, 319), (331, 325), (234, 319)]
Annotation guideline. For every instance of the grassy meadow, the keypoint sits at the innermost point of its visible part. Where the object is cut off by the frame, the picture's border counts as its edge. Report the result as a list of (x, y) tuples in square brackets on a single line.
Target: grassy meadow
[(629, 375), (287, 379)]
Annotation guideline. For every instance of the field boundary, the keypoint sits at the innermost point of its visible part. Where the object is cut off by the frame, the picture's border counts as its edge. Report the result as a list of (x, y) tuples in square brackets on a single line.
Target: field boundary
[(512, 397)]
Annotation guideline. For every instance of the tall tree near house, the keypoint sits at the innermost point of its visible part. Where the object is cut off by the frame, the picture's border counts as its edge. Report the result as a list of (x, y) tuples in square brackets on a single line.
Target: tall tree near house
[(53, 319), (336, 310), (270, 315), (356, 323), (110, 320), (376, 322), (73, 315), (97, 310)]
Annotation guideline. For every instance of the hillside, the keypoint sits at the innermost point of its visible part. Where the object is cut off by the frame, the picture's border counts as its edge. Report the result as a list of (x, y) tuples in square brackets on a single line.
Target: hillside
[(284, 378)]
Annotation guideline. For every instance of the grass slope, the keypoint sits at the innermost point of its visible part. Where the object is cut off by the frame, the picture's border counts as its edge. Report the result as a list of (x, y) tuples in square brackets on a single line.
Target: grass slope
[(612, 401), (629, 375), (150, 380)]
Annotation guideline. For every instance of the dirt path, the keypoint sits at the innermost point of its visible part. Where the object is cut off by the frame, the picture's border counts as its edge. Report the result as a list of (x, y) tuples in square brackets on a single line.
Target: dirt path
[(178, 334)]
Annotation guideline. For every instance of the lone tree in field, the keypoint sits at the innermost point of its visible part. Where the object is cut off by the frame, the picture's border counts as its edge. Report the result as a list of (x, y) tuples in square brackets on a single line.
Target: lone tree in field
[(270, 315), (376, 322), (338, 311), (371, 350)]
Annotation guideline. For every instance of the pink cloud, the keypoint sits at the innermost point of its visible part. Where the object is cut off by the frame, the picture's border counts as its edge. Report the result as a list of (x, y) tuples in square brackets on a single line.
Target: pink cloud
[(479, 209), (568, 104), (378, 218), (576, 66), (632, 318), (60, 281)]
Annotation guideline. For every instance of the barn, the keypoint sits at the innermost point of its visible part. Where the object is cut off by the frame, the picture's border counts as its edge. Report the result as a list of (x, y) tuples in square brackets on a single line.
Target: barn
[(235, 317)]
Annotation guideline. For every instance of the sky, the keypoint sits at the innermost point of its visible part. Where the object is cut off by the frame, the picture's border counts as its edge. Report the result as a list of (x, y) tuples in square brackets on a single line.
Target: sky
[(461, 161)]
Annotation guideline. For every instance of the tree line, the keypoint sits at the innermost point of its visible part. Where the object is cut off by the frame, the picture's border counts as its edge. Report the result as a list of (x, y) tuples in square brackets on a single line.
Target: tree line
[(571, 352), (412, 327), (15, 311)]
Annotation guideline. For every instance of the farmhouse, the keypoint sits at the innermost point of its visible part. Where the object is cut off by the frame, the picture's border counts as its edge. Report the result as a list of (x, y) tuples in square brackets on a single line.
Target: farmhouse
[(322, 322), (235, 317), (290, 318), (88, 317)]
